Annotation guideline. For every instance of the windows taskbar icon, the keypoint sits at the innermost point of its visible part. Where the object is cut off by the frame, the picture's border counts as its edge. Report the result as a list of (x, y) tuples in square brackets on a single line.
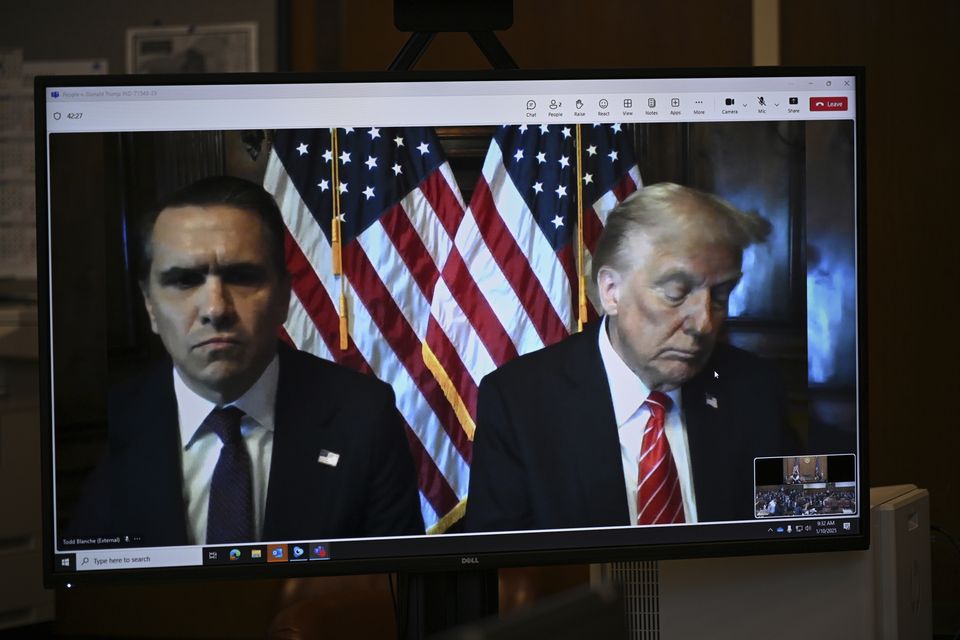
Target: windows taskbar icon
[(234, 555), (270, 553), (298, 552), (277, 553)]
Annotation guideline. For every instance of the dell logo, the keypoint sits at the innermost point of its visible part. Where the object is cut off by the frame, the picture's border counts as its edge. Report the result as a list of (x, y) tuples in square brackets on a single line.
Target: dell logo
[(470, 560)]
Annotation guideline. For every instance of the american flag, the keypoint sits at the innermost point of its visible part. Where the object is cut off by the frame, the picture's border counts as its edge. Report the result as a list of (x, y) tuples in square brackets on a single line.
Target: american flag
[(397, 197), (434, 295), (517, 243)]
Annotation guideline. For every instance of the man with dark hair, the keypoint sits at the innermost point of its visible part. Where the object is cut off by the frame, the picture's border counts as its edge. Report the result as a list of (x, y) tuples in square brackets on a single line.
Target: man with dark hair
[(237, 437), (643, 418)]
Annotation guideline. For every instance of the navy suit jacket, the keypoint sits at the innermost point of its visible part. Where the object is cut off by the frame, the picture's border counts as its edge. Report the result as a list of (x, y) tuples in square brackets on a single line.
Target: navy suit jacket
[(547, 451), (137, 490)]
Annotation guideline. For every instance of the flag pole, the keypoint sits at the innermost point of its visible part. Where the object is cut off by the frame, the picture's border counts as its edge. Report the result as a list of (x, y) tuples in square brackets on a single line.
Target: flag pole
[(335, 222), (581, 278), (335, 239)]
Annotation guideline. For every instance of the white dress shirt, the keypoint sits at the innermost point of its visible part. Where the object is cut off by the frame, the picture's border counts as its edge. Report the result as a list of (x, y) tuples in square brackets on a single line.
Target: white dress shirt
[(629, 393), (201, 447)]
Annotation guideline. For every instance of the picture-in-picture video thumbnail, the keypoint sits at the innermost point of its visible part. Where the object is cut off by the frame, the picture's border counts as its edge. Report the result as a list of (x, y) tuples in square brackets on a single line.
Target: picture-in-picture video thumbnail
[(806, 486)]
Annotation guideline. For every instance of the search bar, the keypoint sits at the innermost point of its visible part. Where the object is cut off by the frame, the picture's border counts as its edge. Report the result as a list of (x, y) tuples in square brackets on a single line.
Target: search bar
[(138, 558)]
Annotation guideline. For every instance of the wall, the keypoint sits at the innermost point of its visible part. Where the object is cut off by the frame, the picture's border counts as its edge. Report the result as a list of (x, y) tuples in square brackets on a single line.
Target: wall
[(911, 146), (557, 34), (60, 29)]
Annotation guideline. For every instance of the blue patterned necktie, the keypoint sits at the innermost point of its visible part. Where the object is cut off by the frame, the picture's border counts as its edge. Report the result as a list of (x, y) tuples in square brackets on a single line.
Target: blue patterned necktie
[(230, 514)]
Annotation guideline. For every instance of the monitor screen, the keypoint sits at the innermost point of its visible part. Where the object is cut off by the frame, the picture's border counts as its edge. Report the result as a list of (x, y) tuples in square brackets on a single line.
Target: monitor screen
[(324, 324)]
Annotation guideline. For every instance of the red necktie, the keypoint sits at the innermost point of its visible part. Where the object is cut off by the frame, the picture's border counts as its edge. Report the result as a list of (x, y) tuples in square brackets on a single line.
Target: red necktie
[(659, 500)]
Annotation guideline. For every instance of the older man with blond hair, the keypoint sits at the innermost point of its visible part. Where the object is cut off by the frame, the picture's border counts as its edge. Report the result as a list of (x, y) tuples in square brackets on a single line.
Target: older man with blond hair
[(644, 418)]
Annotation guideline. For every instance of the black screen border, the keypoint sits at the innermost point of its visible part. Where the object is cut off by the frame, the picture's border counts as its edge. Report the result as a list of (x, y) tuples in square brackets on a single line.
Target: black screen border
[(576, 552)]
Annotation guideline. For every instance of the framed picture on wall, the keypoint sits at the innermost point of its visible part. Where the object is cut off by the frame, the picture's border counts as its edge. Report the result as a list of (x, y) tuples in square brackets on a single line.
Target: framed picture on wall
[(221, 48)]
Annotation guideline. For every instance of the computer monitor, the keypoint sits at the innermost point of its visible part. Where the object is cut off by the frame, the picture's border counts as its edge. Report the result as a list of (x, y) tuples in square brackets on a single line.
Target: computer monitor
[(428, 230)]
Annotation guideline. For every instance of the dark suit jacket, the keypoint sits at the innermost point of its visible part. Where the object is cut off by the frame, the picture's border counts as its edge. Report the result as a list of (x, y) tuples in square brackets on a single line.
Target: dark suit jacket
[(137, 489), (547, 451)]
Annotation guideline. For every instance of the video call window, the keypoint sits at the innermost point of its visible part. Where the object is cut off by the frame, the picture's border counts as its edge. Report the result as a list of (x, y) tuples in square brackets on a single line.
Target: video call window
[(431, 256)]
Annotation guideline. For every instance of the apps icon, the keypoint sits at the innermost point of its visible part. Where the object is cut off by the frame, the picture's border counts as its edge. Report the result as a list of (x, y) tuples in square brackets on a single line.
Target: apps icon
[(674, 102)]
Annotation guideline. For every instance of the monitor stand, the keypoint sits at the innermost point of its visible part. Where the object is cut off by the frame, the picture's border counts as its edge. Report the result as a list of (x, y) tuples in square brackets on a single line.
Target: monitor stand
[(472, 18), (433, 602)]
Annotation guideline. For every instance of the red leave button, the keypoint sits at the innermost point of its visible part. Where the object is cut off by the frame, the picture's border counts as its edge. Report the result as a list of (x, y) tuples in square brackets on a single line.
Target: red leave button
[(828, 104)]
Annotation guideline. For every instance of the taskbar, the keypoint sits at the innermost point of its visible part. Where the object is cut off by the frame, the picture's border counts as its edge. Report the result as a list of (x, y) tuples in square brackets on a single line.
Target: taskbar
[(366, 549), (167, 557)]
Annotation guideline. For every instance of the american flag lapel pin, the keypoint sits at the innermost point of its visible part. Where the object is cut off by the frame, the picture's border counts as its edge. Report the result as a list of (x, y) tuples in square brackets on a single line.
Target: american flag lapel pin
[(328, 458), (712, 401)]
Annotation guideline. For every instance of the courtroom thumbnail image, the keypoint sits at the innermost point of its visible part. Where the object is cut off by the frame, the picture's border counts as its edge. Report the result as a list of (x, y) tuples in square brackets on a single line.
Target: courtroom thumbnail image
[(805, 500)]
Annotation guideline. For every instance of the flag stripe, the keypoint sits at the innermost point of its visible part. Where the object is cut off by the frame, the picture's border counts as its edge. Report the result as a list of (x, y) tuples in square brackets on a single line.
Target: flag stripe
[(440, 496), (435, 294), (624, 187), (592, 226), (515, 266), (403, 340), (410, 249), (524, 228), (453, 366), (477, 309), (375, 349), (443, 474), (437, 491), (302, 332), (308, 289), (307, 286), (440, 190)]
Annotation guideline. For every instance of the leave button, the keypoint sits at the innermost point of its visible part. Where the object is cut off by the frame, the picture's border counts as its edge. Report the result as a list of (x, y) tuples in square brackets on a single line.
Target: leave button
[(838, 103)]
